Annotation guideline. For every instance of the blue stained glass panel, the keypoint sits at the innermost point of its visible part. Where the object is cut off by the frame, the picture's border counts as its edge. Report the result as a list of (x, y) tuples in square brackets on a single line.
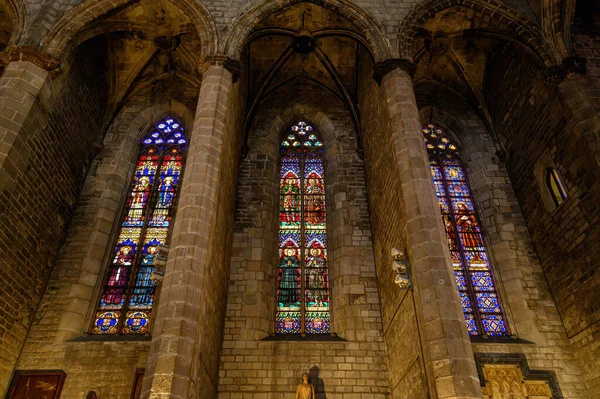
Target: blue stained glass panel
[(106, 322), (494, 324), (487, 302), (465, 302), (471, 324), (482, 281), (463, 235)]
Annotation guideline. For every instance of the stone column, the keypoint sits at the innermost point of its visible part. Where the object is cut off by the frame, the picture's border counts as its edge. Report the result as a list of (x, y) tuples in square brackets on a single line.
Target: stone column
[(449, 362), (179, 362), (27, 73)]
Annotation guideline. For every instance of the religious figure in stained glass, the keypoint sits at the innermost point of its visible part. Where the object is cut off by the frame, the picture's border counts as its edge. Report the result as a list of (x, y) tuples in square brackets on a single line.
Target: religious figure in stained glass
[(302, 290), (472, 271), (127, 298)]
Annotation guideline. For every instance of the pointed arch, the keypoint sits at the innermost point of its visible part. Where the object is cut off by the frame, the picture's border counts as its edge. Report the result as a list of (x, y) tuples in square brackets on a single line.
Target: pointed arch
[(20, 15), (127, 296), (520, 28), (58, 40), (370, 30)]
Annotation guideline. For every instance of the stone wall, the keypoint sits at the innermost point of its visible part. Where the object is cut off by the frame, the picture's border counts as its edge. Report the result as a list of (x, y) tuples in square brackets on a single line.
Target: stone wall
[(252, 367), (566, 237), (55, 149), (66, 311)]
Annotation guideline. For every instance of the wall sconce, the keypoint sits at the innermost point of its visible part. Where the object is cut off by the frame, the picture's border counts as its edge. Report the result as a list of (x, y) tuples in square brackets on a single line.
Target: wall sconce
[(159, 262), (402, 267)]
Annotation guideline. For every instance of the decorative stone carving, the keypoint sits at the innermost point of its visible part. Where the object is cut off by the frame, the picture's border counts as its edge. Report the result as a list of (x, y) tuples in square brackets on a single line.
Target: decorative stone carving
[(167, 43), (439, 46), (31, 54), (504, 381), (508, 376), (384, 67), (230, 64), (304, 42), (566, 70)]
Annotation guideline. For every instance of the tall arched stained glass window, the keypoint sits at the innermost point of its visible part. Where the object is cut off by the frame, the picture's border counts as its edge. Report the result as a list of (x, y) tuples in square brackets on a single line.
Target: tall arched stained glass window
[(127, 296), (477, 290), (302, 279)]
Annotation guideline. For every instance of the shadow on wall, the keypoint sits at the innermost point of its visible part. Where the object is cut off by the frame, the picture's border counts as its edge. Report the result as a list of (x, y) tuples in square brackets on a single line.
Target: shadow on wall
[(313, 378)]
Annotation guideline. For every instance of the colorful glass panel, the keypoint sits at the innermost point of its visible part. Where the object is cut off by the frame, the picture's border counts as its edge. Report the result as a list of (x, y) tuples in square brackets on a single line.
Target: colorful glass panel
[(127, 297), (477, 291), (555, 186), (302, 279)]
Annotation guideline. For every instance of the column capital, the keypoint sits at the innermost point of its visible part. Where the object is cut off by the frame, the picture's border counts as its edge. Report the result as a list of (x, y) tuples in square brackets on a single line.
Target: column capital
[(31, 54), (233, 66), (569, 67), (384, 67)]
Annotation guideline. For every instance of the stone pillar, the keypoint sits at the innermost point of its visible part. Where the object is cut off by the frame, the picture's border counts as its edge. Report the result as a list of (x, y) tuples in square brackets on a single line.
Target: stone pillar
[(27, 73), (449, 362), (178, 363)]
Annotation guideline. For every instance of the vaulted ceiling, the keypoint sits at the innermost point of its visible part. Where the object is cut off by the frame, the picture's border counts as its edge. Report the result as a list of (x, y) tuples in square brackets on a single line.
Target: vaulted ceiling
[(274, 61), (148, 42)]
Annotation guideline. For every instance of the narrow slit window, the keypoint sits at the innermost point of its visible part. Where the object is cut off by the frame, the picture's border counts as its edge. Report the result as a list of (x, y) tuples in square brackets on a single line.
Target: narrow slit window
[(127, 296), (470, 261), (302, 278), (555, 185)]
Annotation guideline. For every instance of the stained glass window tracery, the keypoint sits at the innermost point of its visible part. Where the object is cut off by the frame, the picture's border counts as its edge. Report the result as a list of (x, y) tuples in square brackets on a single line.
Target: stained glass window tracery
[(302, 279), (127, 296), (472, 271)]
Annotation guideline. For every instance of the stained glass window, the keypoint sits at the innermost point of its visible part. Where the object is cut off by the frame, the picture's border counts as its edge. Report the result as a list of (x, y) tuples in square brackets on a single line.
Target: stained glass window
[(477, 290), (302, 279), (127, 296), (555, 186)]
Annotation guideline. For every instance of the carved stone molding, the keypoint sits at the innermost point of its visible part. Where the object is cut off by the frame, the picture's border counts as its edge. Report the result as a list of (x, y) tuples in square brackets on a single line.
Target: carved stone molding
[(570, 67), (230, 64), (31, 54), (167, 43), (384, 67), (439, 46), (519, 361)]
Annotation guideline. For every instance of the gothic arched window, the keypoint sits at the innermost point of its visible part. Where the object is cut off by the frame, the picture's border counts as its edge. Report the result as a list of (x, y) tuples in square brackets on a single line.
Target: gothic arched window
[(477, 290), (555, 186), (302, 279), (127, 296)]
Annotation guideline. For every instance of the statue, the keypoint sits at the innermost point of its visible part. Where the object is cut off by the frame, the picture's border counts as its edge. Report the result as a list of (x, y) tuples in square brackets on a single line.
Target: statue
[(305, 390)]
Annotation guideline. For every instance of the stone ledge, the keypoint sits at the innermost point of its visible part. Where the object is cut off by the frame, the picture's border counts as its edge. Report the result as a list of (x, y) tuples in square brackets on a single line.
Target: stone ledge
[(112, 338)]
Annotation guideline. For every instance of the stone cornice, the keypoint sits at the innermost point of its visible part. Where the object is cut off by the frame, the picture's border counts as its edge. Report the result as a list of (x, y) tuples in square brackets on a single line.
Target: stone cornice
[(229, 64), (570, 67), (382, 68), (31, 54)]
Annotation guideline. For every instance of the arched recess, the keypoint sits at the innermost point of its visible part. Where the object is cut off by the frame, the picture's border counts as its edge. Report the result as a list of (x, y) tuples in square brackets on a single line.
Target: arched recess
[(370, 30), (19, 14), (110, 186), (59, 39), (502, 20)]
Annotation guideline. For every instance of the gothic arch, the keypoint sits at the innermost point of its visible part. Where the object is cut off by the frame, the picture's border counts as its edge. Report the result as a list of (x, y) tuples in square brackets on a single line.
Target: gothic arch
[(20, 15), (370, 30), (522, 30), (78, 18)]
